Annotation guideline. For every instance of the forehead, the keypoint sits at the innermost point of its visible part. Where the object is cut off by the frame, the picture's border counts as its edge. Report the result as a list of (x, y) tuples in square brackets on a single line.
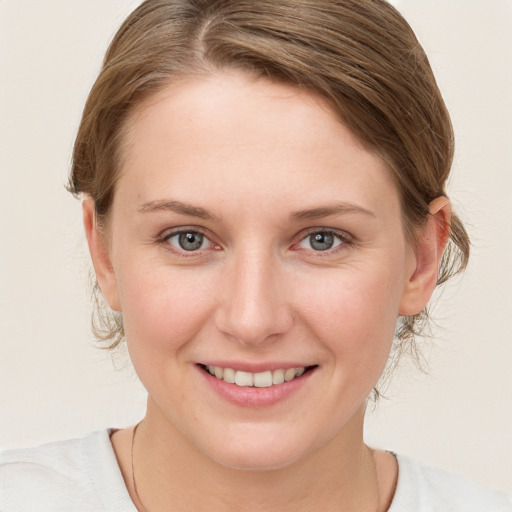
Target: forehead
[(247, 139)]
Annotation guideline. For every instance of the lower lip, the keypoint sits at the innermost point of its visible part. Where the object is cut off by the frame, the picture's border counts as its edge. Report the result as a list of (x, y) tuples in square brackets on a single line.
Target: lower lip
[(254, 397)]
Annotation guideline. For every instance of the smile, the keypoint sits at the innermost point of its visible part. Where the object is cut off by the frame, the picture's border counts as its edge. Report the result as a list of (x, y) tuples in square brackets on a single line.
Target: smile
[(264, 379)]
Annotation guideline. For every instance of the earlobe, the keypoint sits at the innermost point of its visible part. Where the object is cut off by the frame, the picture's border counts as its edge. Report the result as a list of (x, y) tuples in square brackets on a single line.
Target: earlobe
[(100, 255), (431, 241)]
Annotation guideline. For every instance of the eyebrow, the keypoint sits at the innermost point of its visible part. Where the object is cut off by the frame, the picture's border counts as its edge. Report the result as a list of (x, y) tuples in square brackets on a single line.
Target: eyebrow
[(326, 211), (301, 215), (177, 207)]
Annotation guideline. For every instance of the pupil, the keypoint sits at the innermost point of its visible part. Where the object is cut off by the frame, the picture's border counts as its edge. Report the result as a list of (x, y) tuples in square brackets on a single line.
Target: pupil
[(190, 241), (322, 241)]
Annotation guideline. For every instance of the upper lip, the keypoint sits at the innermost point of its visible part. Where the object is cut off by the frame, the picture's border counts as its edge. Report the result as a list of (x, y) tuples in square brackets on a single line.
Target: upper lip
[(255, 367)]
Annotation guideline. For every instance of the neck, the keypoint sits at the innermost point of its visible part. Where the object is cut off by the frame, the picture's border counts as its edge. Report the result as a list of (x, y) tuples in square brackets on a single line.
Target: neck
[(339, 476)]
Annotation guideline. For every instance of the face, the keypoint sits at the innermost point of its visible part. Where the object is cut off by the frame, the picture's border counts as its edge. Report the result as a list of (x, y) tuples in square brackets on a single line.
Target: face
[(251, 235)]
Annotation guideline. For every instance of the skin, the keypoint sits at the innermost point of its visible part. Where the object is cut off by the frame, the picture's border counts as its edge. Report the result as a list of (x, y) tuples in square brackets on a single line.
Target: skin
[(251, 157)]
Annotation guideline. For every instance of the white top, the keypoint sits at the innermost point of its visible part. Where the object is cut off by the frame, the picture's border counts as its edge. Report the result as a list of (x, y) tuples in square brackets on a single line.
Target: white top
[(82, 475)]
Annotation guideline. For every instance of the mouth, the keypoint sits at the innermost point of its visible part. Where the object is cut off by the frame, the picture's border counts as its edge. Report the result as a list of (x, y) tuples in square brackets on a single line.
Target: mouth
[(264, 379)]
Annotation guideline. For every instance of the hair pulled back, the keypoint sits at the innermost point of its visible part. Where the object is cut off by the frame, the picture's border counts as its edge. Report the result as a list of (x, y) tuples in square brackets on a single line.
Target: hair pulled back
[(360, 55)]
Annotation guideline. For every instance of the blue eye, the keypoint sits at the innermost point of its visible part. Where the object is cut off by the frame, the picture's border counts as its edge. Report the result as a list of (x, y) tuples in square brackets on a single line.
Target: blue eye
[(321, 241), (188, 241)]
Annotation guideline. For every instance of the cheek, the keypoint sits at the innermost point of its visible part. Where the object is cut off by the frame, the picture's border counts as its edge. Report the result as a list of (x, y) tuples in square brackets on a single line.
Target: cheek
[(354, 312), (163, 309)]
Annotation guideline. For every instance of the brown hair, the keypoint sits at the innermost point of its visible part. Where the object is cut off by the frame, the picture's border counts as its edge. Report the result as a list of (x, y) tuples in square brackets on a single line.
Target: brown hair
[(360, 55)]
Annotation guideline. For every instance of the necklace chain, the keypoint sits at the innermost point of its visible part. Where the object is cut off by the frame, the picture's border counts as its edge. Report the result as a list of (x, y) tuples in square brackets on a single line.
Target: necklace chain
[(144, 509), (134, 483)]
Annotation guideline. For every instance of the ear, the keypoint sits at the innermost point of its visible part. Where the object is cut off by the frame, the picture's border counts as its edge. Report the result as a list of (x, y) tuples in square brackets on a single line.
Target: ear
[(99, 251), (431, 241)]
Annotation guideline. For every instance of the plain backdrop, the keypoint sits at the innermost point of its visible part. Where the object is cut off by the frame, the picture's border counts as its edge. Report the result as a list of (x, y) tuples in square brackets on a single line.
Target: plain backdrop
[(54, 383)]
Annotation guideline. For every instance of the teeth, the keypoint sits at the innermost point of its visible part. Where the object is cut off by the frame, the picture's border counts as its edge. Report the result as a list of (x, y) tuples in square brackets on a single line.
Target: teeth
[(229, 375), (244, 379), (290, 374), (278, 377), (263, 380), (258, 380)]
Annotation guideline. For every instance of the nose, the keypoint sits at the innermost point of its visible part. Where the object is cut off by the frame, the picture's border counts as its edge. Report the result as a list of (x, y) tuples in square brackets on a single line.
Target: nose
[(255, 306)]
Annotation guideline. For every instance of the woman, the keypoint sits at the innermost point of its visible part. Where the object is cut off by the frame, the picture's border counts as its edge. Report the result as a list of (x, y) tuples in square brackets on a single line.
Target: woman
[(264, 200)]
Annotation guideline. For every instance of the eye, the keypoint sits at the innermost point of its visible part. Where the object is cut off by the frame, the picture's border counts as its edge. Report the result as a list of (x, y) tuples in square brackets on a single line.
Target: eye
[(321, 241), (188, 241)]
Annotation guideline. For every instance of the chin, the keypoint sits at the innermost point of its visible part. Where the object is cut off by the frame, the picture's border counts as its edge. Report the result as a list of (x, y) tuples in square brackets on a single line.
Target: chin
[(256, 453), (254, 461)]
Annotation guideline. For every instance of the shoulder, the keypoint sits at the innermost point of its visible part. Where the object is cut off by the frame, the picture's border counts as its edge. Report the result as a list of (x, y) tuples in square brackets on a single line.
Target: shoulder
[(427, 489), (76, 474)]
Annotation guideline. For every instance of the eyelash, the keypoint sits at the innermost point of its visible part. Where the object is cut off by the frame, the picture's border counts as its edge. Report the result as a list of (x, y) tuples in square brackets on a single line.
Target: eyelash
[(343, 238), (166, 238)]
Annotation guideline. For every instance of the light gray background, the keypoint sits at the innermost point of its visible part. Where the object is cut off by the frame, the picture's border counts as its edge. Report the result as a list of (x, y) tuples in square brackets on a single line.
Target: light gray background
[(55, 384)]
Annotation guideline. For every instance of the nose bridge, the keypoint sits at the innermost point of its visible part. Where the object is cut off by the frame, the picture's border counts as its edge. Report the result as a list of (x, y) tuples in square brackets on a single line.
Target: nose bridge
[(254, 308)]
